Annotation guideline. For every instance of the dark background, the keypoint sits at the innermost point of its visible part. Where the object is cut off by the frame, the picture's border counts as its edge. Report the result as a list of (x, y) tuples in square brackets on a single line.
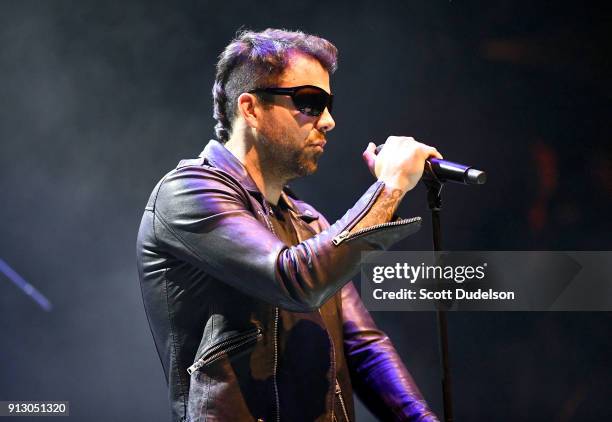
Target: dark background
[(98, 101)]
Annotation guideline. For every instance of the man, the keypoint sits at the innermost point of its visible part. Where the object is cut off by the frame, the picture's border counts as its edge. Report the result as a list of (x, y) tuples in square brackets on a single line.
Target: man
[(247, 288)]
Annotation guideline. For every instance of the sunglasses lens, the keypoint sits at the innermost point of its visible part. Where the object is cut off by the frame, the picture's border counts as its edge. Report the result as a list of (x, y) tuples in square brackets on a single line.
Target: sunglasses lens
[(311, 101)]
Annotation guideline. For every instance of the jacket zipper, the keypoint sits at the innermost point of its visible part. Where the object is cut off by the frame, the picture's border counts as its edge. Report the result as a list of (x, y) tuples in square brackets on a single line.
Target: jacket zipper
[(224, 347), (275, 368), (345, 235), (359, 216), (276, 364), (333, 349), (339, 394), (338, 389)]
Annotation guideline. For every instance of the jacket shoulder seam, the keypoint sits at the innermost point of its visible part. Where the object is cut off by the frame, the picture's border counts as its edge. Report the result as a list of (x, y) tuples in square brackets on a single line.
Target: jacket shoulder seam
[(209, 169)]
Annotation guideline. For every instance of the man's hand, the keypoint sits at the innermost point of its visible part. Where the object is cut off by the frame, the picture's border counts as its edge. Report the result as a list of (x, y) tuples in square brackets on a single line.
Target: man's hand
[(400, 163), (400, 166)]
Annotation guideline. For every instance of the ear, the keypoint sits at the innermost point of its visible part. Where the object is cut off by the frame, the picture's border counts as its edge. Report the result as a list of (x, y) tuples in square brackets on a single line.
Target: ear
[(249, 109)]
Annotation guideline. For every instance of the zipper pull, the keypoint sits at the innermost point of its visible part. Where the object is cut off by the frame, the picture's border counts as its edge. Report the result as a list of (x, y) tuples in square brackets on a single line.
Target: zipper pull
[(194, 367), (340, 238)]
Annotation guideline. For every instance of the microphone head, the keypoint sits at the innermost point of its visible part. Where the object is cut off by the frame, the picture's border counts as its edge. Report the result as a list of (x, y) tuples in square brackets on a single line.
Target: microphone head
[(447, 171), (475, 177)]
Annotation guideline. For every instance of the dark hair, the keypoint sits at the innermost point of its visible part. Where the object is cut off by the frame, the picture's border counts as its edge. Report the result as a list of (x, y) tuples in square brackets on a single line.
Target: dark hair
[(254, 59)]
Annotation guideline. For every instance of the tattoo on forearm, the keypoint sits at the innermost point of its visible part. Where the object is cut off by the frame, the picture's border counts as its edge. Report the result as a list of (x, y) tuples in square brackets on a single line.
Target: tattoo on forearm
[(383, 209)]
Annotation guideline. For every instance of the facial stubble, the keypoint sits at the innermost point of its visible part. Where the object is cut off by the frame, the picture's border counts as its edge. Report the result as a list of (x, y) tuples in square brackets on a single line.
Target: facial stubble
[(287, 158)]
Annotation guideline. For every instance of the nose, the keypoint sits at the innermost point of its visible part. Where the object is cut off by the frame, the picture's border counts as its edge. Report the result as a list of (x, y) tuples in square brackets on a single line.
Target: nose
[(326, 121)]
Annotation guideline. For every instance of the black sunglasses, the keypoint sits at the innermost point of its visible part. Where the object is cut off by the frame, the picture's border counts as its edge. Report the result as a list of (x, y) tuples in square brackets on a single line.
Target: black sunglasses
[(308, 99)]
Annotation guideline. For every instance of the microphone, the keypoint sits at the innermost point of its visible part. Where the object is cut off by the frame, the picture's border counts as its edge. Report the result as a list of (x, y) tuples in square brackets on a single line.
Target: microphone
[(447, 171)]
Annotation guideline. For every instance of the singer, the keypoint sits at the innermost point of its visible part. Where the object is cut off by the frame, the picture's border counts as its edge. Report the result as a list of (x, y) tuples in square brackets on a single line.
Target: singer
[(246, 288)]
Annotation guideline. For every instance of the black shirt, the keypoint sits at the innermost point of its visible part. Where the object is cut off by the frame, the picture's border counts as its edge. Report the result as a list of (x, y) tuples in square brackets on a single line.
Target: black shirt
[(283, 228)]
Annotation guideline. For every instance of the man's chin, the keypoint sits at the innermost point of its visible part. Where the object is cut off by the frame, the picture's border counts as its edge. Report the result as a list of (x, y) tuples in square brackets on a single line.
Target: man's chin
[(308, 167)]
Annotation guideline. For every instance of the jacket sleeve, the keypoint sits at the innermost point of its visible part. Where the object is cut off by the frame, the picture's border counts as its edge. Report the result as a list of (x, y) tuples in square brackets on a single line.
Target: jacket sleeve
[(204, 217), (378, 375)]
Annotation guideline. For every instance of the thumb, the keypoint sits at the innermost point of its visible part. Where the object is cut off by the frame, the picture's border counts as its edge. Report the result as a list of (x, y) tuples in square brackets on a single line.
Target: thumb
[(370, 149), (369, 156), (368, 152)]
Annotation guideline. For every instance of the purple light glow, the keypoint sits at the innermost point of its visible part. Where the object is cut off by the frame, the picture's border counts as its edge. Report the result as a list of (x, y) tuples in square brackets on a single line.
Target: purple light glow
[(26, 287)]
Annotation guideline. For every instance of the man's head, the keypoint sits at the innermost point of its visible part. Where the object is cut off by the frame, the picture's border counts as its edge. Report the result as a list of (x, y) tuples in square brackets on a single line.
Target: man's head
[(287, 133)]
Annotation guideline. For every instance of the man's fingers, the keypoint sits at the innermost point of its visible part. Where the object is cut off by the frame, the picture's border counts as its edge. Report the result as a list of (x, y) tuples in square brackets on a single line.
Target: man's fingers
[(434, 153), (431, 151)]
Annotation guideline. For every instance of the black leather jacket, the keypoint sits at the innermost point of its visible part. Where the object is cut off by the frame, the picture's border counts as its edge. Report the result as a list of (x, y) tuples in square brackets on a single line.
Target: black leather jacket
[(249, 329)]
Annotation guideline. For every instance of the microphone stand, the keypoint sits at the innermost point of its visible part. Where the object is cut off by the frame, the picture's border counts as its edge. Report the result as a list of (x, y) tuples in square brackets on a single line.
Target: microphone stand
[(458, 173), (434, 200)]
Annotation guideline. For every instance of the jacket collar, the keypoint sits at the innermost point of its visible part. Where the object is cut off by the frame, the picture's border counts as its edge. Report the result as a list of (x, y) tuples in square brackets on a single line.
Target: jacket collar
[(219, 156)]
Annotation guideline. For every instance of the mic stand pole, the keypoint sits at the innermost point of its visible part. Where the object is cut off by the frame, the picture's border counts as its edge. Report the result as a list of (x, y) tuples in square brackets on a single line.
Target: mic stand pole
[(434, 199)]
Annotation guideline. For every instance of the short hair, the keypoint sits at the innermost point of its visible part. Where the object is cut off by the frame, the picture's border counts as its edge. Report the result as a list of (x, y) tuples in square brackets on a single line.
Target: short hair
[(255, 59)]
